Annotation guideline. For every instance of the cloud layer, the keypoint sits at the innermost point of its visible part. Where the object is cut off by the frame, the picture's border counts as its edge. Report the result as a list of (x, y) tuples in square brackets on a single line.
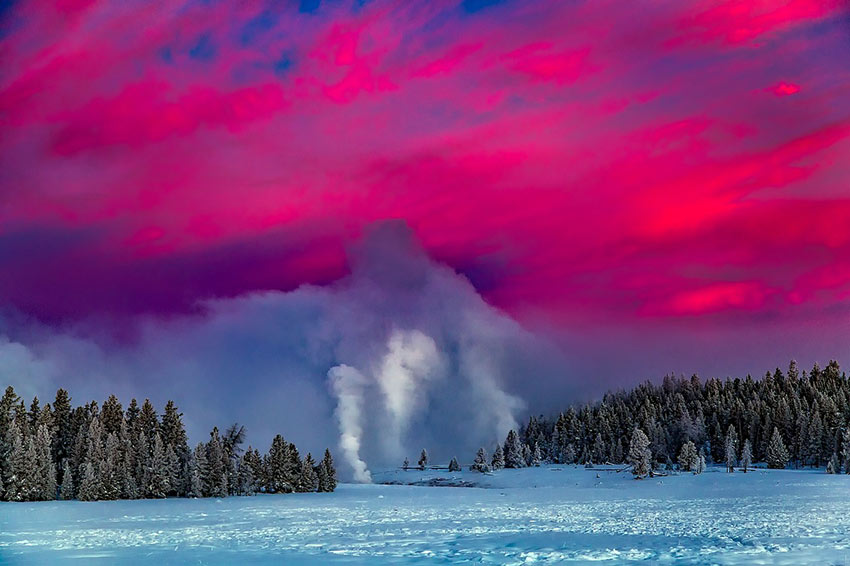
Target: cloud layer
[(588, 160), (401, 354)]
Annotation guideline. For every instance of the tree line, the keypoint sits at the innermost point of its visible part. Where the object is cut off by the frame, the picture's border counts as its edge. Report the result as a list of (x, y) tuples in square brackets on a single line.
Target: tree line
[(785, 418), (94, 453)]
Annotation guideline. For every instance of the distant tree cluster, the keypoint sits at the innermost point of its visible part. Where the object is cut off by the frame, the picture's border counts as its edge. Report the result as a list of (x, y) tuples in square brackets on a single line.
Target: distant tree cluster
[(781, 419), (92, 453)]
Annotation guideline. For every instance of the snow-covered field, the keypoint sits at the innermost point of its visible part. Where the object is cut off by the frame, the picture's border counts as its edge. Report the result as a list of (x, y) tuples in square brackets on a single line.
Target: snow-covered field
[(560, 515)]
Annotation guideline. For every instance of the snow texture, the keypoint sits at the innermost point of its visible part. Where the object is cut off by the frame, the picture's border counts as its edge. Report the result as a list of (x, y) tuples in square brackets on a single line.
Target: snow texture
[(546, 515)]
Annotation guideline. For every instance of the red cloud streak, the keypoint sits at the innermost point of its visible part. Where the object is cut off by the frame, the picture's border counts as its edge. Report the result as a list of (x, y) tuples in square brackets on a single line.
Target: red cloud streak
[(592, 162)]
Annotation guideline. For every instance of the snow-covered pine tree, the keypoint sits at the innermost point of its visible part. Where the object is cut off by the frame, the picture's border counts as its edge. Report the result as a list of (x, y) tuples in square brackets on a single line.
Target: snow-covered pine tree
[(111, 416), (815, 437), (777, 455), (108, 472), (45, 488), (526, 455), (423, 459), (148, 422), (639, 455), (746, 455), (7, 402), (498, 461), (513, 451), (276, 466), (157, 485), (174, 436), (453, 465), (216, 480), (293, 467), (89, 489), (832, 466), (845, 449), (172, 470), (536, 456), (66, 491), (246, 483), (597, 452), (688, 457), (127, 466), (309, 480), (63, 438), (18, 481), (322, 476), (731, 449), (198, 472), (480, 462), (327, 465), (143, 463)]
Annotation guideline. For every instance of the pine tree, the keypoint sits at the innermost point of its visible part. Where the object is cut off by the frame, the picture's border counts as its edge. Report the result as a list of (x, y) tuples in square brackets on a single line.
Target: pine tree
[(406, 464), (66, 491), (777, 455), (111, 415), (639, 455), (423, 459), (217, 471), (453, 465), (126, 470), (327, 465), (156, 485), (746, 455), (498, 461), (7, 402), (18, 484), (45, 469), (513, 451), (172, 470), (34, 415), (731, 449), (132, 415), (688, 457), (845, 449), (832, 466), (143, 462), (309, 480), (598, 450), (198, 472), (148, 422), (322, 475), (246, 482), (480, 462), (89, 489), (109, 469), (276, 468), (63, 441), (536, 456)]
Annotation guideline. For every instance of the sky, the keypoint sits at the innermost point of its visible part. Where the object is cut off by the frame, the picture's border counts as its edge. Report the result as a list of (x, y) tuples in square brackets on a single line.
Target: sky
[(645, 188)]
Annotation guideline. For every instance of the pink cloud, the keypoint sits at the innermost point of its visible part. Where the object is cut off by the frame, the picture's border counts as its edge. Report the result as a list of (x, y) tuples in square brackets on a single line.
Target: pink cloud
[(784, 89), (575, 160)]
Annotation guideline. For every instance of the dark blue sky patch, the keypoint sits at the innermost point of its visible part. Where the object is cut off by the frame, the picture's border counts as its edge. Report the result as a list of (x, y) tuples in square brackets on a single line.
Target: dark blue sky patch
[(309, 6), (204, 49), (166, 55), (7, 7), (283, 64), (472, 6), (257, 26)]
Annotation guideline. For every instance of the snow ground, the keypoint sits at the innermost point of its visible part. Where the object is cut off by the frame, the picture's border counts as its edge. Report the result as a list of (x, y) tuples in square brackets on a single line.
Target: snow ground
[(549, 515)]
